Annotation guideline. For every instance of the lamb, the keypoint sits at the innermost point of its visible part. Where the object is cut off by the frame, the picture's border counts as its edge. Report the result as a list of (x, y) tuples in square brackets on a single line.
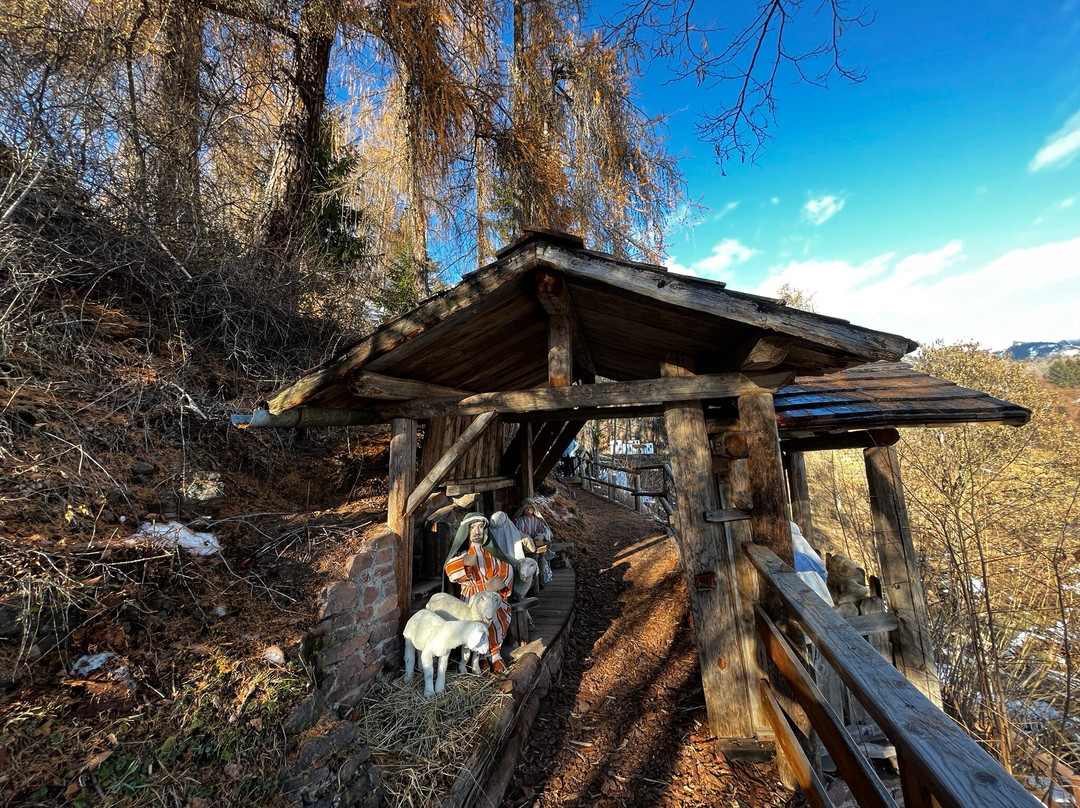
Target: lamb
[(481, 607), (433, 637)]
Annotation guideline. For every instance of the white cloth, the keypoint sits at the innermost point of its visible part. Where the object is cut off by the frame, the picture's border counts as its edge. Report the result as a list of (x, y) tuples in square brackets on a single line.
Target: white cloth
[(808, 564)]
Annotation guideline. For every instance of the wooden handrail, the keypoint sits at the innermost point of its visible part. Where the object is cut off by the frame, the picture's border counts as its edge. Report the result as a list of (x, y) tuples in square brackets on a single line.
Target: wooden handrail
[(934, 751)]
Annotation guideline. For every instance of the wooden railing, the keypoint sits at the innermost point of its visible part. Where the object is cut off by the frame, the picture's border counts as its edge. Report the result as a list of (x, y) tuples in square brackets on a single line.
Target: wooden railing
[(939, 763), (590, 470)]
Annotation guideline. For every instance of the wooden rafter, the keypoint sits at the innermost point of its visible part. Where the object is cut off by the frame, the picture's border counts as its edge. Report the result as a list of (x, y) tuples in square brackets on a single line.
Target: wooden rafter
[(447, 462), (555, 298)]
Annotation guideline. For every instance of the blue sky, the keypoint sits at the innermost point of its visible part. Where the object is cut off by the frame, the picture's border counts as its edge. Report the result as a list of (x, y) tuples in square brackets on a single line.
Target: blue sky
[(939, 198)]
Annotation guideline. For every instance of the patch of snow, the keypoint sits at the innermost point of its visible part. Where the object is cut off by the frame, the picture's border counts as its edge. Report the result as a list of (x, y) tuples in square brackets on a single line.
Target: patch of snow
[(88, 663), (170, 535)]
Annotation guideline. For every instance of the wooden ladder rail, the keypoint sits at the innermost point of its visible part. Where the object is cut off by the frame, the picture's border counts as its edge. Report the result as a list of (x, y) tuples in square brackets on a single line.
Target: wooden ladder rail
[(940, 764)]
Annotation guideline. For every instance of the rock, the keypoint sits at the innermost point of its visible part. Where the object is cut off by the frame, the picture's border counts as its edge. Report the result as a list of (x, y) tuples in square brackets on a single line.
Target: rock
[(339, 738), (233, 771), (202, 493), (305, 715), (143, 467), (219, 611), (274, 654)]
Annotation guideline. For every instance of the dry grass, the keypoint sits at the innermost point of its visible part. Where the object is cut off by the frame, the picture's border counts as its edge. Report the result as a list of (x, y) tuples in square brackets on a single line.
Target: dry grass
[(421, 745)]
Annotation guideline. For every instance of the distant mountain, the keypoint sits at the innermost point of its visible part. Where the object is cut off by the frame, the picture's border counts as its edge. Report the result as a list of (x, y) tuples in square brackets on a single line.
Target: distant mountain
[(1042, 350)]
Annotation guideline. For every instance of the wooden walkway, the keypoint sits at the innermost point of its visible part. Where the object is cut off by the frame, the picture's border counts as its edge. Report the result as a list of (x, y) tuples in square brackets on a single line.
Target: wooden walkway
[(551, 615)]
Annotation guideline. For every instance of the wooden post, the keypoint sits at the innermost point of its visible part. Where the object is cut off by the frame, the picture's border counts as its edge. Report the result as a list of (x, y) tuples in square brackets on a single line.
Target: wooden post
[(560, 351), (637, 491), (799, 489), (768, 516), (913, 649), (402, 478), (526, 438), (708, 566)]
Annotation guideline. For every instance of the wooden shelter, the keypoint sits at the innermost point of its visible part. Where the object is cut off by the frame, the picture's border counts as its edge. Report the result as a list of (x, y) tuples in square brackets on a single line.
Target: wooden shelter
[(552, 335)]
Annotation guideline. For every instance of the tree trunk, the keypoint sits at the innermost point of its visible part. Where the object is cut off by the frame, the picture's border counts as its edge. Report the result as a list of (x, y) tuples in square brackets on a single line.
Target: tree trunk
[(176, 178), (288, 189)]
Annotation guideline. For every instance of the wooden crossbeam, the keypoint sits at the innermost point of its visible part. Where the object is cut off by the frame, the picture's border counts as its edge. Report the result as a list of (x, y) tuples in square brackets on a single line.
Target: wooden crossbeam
[(590, 413), (722, 515), (555, 451), (761, 353), (376, 385), (447, 462), (648, 391)]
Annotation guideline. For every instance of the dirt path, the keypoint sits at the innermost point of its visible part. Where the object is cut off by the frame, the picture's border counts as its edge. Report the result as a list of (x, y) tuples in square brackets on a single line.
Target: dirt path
[(626, 726)]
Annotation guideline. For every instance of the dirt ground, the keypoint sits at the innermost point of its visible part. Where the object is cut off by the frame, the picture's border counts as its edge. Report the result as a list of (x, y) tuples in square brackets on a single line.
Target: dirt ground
[(626, 724)]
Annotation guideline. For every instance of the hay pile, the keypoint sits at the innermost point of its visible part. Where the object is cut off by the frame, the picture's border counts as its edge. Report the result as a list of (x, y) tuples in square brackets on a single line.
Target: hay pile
[(420, 745)]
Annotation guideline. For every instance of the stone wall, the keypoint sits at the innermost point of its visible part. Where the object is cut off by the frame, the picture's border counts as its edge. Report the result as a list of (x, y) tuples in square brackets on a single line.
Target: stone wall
[(356, 637)]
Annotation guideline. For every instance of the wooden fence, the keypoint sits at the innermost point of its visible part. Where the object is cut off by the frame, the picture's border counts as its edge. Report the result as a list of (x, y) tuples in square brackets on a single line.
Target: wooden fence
[(939, 763), (598, 476)]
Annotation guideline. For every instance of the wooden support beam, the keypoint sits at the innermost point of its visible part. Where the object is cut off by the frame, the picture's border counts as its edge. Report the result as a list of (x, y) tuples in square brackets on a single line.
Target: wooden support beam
[(589, 413), (799, 491), (730, 445), (555, 451), (560, 351), (447, 462), (402, 478), (762, 353), (460, 488), (768, 517), (376, 385), (694, 388), (525, 438), (861, 439), (913, 648), (555, 298), (809, 783), (705, 556)]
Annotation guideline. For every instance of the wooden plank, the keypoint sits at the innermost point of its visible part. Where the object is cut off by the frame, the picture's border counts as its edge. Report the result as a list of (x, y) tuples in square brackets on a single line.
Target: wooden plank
[(958, 771), (810, 784), (447, 462), (401, 477), (560, 351), (799, 493), (703, 298), (844, 440), (555, 298), (708, 567), (723, 515), (913, 646), (376, 385), (856, 770), (478, 486), (717, 385)]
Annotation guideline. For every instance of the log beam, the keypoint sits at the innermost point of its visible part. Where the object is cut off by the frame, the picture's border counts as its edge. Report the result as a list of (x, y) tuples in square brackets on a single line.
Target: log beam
[(556, 300), (762, 353), (768, 516), (647, 391), (402, 478), (525, 437), (705, 556), (799, 491), (446, 463), (861, 439), (730, 445), (913, 649), (560, 351), (392, 388)]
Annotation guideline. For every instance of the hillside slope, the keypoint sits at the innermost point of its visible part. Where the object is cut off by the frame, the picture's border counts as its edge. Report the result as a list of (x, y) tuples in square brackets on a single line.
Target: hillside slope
[(133, 673)]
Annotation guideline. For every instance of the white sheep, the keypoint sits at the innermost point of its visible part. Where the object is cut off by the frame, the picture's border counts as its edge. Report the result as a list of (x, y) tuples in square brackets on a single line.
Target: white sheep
[(433, 637), (481, 607)]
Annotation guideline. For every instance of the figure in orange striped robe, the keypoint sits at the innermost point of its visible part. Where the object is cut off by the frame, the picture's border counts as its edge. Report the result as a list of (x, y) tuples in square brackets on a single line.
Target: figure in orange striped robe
[(477, 570)]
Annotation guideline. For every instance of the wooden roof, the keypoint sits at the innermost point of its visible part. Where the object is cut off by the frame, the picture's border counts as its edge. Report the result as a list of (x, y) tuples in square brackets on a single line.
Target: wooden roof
[(490, 333), (885, 394)]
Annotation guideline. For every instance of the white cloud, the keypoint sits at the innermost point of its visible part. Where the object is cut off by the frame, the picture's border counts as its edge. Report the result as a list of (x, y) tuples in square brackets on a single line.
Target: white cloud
[(724, 211), (1025, 294), (727, 254), (1060, 148), (820, 210), (1066, 203), (775, 200)]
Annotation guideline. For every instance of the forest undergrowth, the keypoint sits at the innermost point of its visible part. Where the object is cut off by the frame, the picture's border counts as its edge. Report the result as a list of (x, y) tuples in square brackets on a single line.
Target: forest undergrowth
[(119, 366)]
